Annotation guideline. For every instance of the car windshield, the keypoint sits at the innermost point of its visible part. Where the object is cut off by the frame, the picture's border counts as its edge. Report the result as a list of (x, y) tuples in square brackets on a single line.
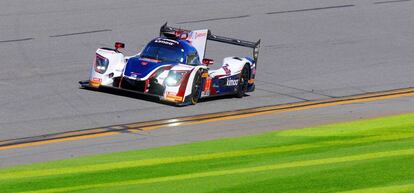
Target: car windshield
[(164, 53)]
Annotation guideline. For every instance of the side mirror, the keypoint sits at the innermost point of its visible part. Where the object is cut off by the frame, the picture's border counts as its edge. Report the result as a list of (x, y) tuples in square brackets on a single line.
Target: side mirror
[(208, 62), (119, 45)]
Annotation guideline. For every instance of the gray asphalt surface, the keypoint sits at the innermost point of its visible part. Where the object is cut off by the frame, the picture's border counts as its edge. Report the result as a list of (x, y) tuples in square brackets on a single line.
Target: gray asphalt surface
[(310, 50), (206, 131)]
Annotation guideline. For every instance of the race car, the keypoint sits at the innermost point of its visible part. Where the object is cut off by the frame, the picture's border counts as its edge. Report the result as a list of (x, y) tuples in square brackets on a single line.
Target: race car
[(173, 68)]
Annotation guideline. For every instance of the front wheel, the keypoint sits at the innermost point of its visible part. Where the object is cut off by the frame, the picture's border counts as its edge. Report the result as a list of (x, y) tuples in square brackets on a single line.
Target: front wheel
[(195, 91), (243, 82)]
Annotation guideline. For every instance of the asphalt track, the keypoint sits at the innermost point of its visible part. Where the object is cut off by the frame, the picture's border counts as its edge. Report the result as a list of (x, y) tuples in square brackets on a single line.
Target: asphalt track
[(311, 50), (139, 136), (197, 119)]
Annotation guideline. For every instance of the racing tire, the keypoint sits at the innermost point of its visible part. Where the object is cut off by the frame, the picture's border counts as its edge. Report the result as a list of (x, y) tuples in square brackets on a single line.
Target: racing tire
[(117, 82), (243, 82), (195, 90)]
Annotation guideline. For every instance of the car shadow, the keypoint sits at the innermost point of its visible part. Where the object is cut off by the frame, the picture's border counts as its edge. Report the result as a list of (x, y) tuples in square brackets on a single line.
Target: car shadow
[(221, 97), (129, 94), (149, 98)]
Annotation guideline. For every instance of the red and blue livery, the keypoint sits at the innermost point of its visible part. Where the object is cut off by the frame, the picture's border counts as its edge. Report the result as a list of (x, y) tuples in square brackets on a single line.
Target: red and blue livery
[(173, 68)]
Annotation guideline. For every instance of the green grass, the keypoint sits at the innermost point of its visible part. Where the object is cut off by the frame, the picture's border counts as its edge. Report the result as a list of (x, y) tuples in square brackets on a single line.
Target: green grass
[(364, 156)]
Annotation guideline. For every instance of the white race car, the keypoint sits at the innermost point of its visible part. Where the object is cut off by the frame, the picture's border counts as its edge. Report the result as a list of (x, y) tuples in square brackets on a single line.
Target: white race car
[(173, 68)]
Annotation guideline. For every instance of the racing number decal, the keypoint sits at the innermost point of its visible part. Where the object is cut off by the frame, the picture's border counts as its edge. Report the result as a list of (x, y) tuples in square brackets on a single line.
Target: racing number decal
[(207, 85), (206, 90), (226, 69)]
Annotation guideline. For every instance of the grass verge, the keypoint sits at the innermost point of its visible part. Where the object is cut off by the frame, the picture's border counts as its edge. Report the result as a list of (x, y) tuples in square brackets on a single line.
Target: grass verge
[(364, 156)]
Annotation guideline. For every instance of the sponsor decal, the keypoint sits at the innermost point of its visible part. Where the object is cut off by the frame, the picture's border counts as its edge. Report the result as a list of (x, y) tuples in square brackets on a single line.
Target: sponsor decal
[(135, 74), (166, 41), (200, 34), (150, 60), (226, 69), (195, 35), (95, 82), (172, 96), (205, 93), (232, 82), (144, 63), (98, 80)]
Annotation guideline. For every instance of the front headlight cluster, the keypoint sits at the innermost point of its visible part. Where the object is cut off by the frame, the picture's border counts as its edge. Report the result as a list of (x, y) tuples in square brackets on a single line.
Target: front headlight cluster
[(174, 77), (101, 64)]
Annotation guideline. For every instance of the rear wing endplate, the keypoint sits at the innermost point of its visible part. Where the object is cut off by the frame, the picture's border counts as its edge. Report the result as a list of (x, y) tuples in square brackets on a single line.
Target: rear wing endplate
[(170, 32)]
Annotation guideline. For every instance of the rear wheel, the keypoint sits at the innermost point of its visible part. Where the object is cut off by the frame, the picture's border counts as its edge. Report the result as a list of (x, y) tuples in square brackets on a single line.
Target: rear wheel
[(243, 82), (195, 91)]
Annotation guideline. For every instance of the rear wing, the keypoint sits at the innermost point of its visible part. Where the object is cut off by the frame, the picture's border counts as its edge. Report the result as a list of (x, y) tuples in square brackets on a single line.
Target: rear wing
[(173, 32)]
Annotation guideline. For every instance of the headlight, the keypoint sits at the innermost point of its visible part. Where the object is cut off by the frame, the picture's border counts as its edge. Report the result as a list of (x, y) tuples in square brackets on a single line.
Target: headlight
[(101, 64), (171, 81), (174, 77)]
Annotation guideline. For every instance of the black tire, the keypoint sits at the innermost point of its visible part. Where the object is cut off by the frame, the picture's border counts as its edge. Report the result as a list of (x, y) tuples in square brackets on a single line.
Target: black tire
[(195, 91), (125, 84), (117, 82), (243, 82)]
